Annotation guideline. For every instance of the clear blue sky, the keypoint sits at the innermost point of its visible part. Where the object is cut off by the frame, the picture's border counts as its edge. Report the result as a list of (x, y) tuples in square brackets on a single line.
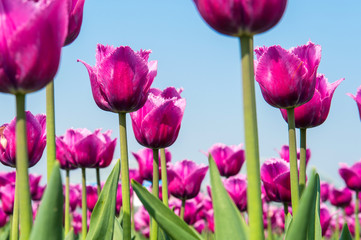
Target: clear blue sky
[(207, 65)]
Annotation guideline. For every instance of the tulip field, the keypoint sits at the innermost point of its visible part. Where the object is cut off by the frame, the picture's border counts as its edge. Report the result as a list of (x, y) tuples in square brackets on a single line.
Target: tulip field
[(133, 179)]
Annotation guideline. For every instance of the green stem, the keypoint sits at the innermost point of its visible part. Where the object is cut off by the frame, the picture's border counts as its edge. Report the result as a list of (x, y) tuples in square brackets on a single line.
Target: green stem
[(269, 225), (357, 221), (285, 209), (163, 166), (125, 177), (155, 191), (15, 217), (84, 219), (303, 160), (183, 208), (22, 164), (251, 141), (99, 187), (293, 160), (67, 202), (50, 128)]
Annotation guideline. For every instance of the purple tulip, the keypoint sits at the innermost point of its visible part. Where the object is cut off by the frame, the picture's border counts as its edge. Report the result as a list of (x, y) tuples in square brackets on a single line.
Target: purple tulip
[(340, 198), (134, 174), (325, 218), (142, 221), (144, 158), (314, 112), (285, 154), (34, 181), (185, 179), (77, 223), (75, 9), (190, 210), (36, 137), (351, 175), (121, 78), (74, 197), (157, 123), (91, 197), (237, 18), (357, 99), (275, 175), (229, 159), (7, 195), (39, 193), (85, 149), (210, 219), (200, 225), (287, 78), (236, 186), (119, 199), (31, 37), (324, 191), (3, 218)]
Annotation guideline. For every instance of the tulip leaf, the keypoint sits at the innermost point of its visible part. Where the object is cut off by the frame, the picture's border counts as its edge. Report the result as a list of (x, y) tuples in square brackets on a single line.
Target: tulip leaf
[(288, 223), (103, 215), (70, 235), (118, 231), (302, 223), (345, 234), (5, 232), (229, 223), (163, 235), (176, 228), (49, 219)]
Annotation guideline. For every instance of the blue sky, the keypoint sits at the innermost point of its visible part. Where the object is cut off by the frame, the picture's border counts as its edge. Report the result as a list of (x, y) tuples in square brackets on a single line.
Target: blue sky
[(207, 65)]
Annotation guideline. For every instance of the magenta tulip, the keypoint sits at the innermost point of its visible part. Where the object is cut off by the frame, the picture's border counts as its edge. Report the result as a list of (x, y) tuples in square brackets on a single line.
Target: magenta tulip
[(3, 218), (36, 136), (236, 187), (237, 18), (7, 195), (200, 225), (74, 197), (31, 37), (77, 223), (119, 199), (287, 78), (121, 78), (85, 149), (134, 174), (185, 179), (34, 181), (357, 99), (142, 221), (275, 175), (144, 158), (210, 219), (229, 159), (324, 191), (91, 197), (325, 218), (340, 198), (314, 112), (190, 210), (75, 8), (285, 154), (157, 123), (351, 175)]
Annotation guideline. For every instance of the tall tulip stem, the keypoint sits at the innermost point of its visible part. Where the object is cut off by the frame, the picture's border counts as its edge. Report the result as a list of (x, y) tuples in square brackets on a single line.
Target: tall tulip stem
[(125, 177), (99, 188), (22, 164), (163, 166), (251, 141), (15, 217), (67, 202), (293, 159), (155, 191), (50, 128), (182, 210), (302, 159), (83, 206), (357, 221)]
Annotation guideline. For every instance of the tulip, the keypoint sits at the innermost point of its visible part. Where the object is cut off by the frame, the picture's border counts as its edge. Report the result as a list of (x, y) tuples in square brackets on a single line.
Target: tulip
[(144, 158), (357, 99), (75, 197), (210, 220), (275, 175), (119, 199), (142, 221), (236, 187), (91, 197), (33, 33), (157, 124), (351, 175), (39, 193), (200, 225), (36, 135), (324, 191), (285, 154), (340, 198), (134, 174), (314, 112), (229, 159), (325, 218), (3, 218), (237, 18), (185, 179), (77, 223), (75, 8), (121, 78), (7, 195), (190, 211)]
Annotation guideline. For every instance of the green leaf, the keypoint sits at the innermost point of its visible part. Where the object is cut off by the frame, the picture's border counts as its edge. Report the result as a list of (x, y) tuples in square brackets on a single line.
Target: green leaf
[(345, 234), (118, 231), (70, 235), (298, 229), (229, 223), (49, 220), (314, 228), (176, 228), (103, 215), (163, 235), (5, 232)]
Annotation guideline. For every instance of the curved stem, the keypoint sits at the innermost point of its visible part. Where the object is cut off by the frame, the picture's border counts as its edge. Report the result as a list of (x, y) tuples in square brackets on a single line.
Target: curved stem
[(15, 217), (22, 164), (155, 191), (50, 128), (125, 177), (303, 160), (293, 160), (67, 202), (251, 141), (84, 228), (163, 166), (99, 187), (357, 221), (183, 208)]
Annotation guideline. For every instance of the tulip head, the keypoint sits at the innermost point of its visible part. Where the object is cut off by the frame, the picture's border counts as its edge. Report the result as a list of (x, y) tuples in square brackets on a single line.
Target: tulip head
[(351, 175), (357, 99), (236, 187), (340, 197), (75, 9)]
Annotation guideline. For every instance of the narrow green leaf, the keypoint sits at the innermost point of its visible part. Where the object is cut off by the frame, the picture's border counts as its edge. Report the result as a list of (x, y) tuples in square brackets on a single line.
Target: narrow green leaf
[(288, 223), (70, 235), (229, 223), (118, 231), (314, 228), (163, 235), (345, 234), (49, 220), (176, 228), (103, 215), (298, 229)]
